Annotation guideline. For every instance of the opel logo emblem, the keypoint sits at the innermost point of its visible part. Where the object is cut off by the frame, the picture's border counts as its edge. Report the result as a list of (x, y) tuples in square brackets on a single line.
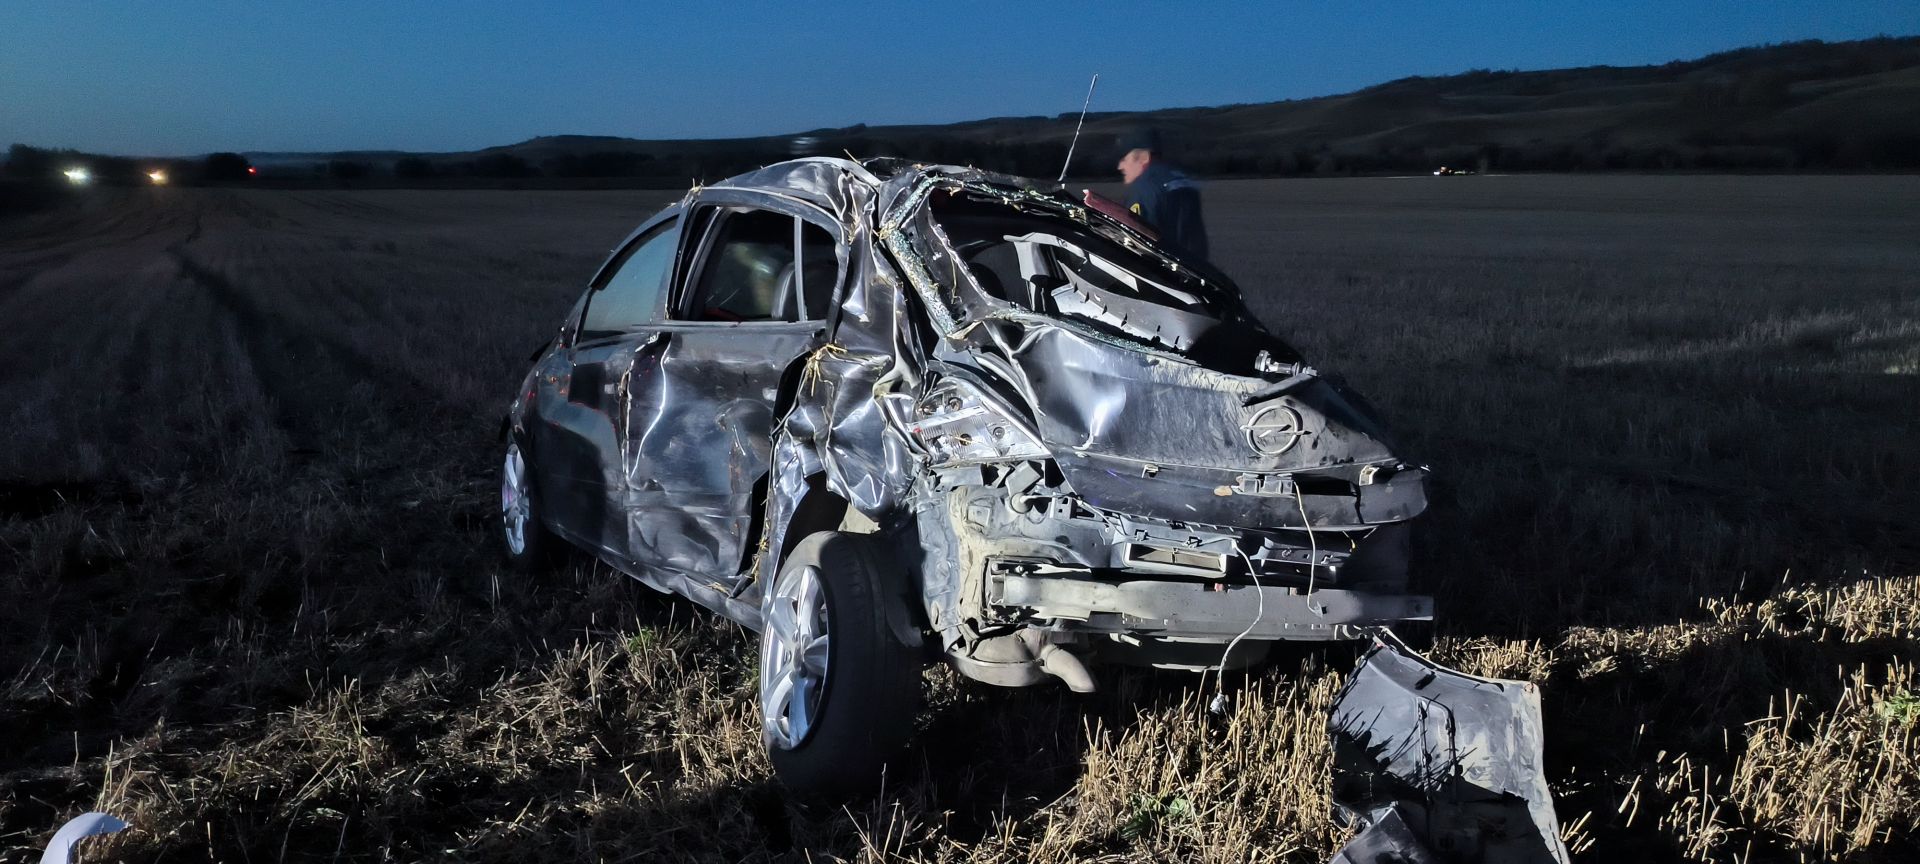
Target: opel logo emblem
[(1274, 430)]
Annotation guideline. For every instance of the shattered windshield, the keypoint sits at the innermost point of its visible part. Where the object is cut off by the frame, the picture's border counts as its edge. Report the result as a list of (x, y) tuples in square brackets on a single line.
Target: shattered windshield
[(1042, 259)]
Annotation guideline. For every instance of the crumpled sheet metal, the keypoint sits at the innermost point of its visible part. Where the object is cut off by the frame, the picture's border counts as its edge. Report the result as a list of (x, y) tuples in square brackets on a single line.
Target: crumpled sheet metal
[(1184, 423), (837, 424), (689, 511), (1439, 765), (1079, 380), (677, 510), (1434, 765), (1107, 412), (693, 413), (876, 358)]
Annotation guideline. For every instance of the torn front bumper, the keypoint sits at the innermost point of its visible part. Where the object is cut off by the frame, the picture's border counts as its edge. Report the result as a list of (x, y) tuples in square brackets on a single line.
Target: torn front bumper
[(1203, 611), (1436, 765)]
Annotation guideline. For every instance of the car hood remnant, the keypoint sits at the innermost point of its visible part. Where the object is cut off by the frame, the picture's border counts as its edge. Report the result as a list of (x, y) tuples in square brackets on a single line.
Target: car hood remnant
[(1434, 765)]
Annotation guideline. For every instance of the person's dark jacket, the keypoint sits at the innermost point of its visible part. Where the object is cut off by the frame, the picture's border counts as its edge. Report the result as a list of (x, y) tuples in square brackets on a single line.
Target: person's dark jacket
[(1169, 202)]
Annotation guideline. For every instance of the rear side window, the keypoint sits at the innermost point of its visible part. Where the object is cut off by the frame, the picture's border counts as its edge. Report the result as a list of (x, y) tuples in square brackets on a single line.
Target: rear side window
[(762, 266), (749, 272), (628, 294)]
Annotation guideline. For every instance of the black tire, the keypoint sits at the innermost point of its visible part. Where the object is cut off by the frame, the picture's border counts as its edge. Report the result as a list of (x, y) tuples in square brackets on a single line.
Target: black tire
[(872, 693), (539, 550)]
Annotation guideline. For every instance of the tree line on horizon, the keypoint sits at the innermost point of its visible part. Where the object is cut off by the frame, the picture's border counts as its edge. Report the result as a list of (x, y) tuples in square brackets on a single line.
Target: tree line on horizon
[(1740, 110)]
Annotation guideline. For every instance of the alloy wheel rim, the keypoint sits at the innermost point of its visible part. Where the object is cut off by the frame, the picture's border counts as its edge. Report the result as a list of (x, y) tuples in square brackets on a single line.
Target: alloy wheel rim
[(515, 507), (793, 658)]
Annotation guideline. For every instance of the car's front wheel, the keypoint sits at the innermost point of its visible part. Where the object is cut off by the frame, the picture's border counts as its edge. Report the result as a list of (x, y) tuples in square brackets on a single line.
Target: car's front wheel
[(838, 690), (524, 541)]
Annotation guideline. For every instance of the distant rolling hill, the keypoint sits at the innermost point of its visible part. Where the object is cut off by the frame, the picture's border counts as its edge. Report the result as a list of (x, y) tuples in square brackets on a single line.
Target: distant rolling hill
[(1797, 106)]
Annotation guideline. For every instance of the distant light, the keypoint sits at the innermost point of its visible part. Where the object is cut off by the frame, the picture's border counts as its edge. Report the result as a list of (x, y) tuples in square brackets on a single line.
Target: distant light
[(252, 170), (159, 178), (79, 176)]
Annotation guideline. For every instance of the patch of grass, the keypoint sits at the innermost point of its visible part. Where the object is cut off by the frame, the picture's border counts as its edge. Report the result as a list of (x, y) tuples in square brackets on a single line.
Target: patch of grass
[(1151, 814), (1900, 708), (246, 521), (641, 640)]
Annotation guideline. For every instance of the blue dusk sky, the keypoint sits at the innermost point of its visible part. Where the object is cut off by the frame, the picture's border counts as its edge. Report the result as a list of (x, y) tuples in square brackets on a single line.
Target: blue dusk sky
[(191, 77)]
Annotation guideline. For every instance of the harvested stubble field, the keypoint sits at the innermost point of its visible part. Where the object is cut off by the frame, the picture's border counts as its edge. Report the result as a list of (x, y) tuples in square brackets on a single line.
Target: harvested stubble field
[(252, 605)]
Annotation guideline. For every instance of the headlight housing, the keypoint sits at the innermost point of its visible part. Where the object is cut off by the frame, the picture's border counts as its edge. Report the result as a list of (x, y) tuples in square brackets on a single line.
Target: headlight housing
[(958, 426)]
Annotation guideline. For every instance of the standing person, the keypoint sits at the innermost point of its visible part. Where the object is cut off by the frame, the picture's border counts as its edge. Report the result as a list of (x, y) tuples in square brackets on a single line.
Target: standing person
[(1165, 199)]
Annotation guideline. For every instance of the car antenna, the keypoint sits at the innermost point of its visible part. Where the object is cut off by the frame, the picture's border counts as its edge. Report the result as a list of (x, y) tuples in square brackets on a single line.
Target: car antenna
[(1076, 127)]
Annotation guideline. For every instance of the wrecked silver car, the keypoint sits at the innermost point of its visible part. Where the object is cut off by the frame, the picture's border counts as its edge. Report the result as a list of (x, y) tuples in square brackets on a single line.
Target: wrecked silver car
[(887, 413)]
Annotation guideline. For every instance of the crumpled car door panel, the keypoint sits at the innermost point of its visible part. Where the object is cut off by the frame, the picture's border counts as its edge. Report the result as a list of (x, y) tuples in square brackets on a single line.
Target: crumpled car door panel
[(700, 440)]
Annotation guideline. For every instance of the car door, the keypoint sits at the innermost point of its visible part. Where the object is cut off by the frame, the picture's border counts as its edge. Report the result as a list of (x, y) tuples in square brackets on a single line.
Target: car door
[(578, 457), (755, 291)]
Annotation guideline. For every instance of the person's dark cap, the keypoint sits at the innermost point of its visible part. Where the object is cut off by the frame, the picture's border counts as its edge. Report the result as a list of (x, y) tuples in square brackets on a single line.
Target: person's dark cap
[(1140, 138)]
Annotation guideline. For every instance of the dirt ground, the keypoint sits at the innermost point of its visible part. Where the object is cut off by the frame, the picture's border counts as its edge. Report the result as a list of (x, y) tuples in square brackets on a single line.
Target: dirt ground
[(247, 502)]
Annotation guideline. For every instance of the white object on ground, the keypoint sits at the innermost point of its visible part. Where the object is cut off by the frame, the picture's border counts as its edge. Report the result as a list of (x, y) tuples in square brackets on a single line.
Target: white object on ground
[(78, 828)]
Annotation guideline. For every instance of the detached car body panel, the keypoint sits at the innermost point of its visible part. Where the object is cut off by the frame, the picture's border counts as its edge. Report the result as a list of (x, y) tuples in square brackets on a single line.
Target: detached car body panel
[(1057, 443)]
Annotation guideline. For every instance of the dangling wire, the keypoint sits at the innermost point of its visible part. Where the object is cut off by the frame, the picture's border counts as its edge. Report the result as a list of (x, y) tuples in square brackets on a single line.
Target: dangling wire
[(1313, 563), (1219, 703)]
